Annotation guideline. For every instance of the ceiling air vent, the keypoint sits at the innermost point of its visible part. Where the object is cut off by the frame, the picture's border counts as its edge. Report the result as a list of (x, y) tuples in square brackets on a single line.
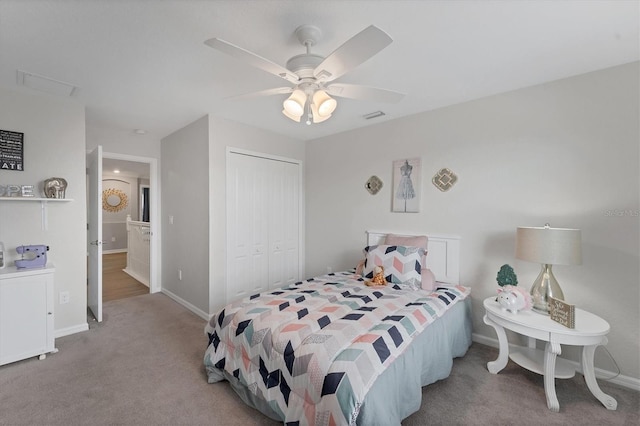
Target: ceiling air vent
[(45, 84), (373, 115)]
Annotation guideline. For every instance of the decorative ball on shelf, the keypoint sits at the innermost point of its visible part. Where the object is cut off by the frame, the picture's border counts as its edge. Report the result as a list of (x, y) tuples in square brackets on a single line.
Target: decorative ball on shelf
[(506, 276)]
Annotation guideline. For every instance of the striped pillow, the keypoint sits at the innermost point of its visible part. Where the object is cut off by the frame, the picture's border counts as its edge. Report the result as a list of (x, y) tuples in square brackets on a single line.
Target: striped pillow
[(402, 265)]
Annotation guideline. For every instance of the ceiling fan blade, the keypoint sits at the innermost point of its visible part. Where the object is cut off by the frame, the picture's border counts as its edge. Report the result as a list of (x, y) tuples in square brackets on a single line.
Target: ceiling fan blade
[(352, 53), (365, 93), (252, 59), (268, 92)]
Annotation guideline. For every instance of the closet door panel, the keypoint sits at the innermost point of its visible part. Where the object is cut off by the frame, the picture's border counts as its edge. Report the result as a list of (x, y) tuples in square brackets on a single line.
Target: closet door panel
[(292, 223), (263, 219), (247, 252), (284, 224)]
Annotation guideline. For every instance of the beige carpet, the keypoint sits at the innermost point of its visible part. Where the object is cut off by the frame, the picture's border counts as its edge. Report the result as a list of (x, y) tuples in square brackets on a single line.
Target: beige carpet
[(143, 366)]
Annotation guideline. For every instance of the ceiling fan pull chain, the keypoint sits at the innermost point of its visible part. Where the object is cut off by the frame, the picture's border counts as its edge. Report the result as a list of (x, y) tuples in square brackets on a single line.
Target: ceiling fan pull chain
[(309, 115)]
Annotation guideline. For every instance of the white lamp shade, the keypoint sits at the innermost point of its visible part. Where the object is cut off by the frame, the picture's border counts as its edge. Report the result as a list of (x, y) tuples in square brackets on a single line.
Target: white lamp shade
[(553, 246), (324, 103), (317, 118), (294, 104), (293, 117)]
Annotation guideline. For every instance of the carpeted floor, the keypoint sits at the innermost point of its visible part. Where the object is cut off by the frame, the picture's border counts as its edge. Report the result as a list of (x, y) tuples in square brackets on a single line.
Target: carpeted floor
[(143, 366)]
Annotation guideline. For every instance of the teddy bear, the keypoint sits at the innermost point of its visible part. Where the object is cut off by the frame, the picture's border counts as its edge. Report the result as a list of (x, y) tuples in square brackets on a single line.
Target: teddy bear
[(378, 277)]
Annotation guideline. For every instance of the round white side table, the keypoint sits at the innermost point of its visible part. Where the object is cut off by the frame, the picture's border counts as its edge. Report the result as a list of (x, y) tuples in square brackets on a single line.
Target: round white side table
[(590, 331)]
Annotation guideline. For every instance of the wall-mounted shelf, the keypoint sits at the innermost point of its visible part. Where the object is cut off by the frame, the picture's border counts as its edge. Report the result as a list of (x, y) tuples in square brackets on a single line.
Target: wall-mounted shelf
[(34, 199), (43, 205)]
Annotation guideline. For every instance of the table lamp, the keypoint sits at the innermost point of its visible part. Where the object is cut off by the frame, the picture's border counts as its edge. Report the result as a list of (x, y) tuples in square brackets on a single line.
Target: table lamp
[(548, 246)]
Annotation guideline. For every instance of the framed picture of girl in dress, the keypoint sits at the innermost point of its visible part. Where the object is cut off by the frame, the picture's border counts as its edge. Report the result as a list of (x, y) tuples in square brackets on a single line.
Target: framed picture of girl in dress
[(406, 185)]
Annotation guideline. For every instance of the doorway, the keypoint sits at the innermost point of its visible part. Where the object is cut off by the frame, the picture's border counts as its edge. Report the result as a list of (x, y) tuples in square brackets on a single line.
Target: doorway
[(114, 241)]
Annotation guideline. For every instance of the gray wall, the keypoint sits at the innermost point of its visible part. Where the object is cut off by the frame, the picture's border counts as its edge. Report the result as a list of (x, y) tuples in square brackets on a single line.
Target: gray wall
[(185, 197), (565, 152), (54, 145)]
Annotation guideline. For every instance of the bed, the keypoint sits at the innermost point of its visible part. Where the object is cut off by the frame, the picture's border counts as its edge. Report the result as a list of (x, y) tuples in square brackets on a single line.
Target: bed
[(331, 350)]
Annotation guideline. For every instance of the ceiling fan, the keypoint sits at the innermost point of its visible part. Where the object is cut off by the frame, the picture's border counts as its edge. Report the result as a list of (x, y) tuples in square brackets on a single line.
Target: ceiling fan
[(311, 76)]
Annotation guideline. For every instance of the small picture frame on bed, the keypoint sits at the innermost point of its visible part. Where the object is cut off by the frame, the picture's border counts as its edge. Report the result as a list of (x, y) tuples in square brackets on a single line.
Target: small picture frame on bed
[(406, 185)]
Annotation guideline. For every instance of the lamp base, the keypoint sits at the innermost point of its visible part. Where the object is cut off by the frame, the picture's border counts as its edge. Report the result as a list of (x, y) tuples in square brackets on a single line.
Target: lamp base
[(544, 287)]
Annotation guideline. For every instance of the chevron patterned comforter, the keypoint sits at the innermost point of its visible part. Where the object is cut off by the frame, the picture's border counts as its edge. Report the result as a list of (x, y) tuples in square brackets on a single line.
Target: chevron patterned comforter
[(311, 351)]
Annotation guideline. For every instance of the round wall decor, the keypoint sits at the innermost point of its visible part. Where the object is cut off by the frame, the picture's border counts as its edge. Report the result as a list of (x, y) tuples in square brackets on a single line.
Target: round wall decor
[(114, 200)]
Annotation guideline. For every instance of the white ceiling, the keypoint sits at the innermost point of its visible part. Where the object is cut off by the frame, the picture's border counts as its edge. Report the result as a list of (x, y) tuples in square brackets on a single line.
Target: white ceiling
[(143, 64), (125, 168)]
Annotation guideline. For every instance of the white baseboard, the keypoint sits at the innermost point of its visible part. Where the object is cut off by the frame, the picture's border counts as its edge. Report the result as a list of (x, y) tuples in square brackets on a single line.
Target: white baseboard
[(124, 250), (71, 330), (136, 276), (199, 312), (621, 380)]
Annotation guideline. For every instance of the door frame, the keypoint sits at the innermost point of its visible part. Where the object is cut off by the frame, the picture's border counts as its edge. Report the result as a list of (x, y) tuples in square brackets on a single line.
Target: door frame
[(94, 232), (155, 256), (141, 200)]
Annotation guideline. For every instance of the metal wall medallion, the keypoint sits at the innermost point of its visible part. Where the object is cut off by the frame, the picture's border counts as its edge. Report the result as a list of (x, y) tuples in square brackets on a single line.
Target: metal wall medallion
[(444, 179), (373, 185)]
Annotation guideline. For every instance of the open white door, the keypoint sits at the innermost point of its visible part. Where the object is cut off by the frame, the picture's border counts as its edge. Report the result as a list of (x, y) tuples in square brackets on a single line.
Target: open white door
[(94, 294)]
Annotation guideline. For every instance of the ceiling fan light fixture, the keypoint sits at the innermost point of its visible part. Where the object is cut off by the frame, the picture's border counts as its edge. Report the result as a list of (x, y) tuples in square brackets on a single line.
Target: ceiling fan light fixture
[(312, 76), (291, 116), (325, 104), (294, 104), (318, 118)]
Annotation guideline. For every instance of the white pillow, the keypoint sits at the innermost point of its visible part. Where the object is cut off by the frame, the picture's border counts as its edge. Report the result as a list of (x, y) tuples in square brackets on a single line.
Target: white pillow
[(428, 279)]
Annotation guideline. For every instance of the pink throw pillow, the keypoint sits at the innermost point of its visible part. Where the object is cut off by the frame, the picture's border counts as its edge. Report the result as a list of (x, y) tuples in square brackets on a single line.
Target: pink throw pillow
[(409, 241), (428, 279)]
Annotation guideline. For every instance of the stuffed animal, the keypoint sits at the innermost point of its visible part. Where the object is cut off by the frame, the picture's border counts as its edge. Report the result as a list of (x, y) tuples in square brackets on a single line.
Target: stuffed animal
[(378, 277), (513, 299)]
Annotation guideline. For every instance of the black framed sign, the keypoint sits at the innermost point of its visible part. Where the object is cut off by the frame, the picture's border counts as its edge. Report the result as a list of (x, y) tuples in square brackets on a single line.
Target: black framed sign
[(11, 150)]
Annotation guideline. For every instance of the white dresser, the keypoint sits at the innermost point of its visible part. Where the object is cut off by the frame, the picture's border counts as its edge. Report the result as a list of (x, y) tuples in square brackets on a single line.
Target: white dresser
[(26, 313)]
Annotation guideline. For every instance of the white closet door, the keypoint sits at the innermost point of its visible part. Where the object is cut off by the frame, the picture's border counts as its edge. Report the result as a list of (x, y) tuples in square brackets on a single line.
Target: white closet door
[(247, 236), (284, 214)]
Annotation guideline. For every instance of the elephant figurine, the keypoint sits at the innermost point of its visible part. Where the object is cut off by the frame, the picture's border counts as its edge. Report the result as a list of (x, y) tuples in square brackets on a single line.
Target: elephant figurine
[(55, 187)]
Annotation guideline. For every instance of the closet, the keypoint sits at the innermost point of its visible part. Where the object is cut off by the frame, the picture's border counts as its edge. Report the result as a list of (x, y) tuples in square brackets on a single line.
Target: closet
[(263, 223)]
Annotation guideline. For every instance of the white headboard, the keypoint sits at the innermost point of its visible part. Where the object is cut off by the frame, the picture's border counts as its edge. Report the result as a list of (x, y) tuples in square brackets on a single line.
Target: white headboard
[(443, 257)]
